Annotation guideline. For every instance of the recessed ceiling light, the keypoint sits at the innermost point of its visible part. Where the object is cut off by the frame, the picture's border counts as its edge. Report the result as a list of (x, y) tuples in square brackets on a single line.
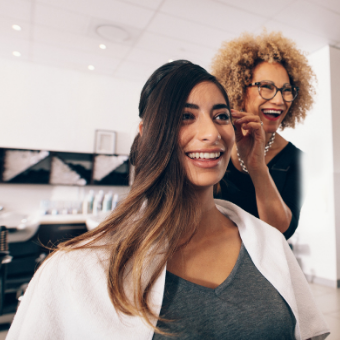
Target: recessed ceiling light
[(113, 33), (16, 27), (102, 46), (170, 60), (91, 67), (16, 54)]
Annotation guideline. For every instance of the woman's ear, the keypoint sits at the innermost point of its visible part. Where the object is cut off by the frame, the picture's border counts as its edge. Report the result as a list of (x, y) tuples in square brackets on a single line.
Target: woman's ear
[(140, 127)]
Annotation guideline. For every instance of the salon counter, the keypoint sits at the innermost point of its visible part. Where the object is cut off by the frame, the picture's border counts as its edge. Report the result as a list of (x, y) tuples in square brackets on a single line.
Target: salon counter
[(22, 227)]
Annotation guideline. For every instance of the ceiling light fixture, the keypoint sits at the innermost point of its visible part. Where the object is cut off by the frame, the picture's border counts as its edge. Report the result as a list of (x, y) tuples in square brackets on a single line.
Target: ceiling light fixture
[(16, 54), (16, 27), (102, 46), (91, 67), (113, 33), (170, 60)]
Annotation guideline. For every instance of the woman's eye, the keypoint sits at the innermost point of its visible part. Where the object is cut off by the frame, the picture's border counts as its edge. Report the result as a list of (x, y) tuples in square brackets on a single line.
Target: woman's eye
[(223, 117), (187, 116), (267, 86), (287, 89)]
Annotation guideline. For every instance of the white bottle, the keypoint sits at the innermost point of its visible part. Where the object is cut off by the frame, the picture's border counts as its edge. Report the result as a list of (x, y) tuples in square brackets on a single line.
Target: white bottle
[(98, 202), (107, 203), (114, 201), (88, 203)]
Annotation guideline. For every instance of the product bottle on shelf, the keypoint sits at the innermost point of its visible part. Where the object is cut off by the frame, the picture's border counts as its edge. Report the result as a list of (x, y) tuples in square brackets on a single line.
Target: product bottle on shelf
[(107, 203), (114, 201), (98, 202), (88, 203)]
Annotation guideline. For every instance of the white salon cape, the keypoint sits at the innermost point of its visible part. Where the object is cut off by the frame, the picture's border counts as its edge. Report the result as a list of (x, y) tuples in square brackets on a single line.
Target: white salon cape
[(68, 298)]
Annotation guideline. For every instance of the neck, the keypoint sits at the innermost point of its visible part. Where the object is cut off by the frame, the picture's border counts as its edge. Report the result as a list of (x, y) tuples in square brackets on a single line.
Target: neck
[(206, 198), (210, 214), (268, 136)]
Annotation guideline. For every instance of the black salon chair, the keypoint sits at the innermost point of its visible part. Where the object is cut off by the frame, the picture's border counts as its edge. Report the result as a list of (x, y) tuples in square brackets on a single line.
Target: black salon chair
[(29, 253)]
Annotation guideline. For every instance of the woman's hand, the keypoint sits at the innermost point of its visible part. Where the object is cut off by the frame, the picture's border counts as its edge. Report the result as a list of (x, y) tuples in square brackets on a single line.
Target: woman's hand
[(250, 139)]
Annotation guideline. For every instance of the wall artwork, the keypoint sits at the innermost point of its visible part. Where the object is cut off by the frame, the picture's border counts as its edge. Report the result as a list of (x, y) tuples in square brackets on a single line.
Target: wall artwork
[(71, 168), (26, 166), (64, 168), (105, 143), (111, 169)]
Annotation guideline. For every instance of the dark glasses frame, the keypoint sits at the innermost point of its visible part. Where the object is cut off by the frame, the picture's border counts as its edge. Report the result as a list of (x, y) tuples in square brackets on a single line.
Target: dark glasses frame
[(259, 83)]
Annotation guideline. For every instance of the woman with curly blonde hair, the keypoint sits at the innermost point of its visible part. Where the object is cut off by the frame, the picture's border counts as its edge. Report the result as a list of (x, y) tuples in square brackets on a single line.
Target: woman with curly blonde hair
[(268, 81)]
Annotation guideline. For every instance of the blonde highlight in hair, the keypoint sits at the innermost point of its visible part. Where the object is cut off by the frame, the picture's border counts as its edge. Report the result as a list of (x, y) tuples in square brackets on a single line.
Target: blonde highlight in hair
[(236, 60)]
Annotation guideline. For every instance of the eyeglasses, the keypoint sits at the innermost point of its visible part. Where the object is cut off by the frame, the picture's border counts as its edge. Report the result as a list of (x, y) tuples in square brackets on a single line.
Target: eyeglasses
[(268, 90)]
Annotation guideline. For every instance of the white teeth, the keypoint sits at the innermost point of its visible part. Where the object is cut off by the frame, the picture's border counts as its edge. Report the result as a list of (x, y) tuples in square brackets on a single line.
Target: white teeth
[(204, 155), (272, 112)]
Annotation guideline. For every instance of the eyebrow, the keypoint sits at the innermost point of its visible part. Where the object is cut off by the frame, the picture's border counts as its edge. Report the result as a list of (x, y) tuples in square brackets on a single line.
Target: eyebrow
[(191, 106), (215, 107), (220, 106)]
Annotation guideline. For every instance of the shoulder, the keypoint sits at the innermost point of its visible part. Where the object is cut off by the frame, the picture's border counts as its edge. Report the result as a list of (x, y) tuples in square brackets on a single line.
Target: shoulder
[(66, 284), (67, 271), (286, 147), (80, 261), (294, 156), (260, 239), (287, 159), (294, 150), (271, 255), (253, 231)]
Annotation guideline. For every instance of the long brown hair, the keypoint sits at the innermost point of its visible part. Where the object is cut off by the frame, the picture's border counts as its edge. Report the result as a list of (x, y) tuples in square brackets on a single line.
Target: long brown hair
[(161, 207)]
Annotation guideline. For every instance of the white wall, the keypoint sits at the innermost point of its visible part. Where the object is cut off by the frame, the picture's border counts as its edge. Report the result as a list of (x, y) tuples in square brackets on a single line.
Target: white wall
[(315, 238), (55, 109)]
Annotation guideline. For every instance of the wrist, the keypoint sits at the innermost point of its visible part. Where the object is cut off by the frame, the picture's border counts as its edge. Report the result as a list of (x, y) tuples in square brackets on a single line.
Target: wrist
[(258, 173)]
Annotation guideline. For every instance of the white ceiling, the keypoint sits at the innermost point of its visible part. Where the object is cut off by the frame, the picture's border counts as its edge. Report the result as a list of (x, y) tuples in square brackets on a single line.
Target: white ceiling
[(62, 33)]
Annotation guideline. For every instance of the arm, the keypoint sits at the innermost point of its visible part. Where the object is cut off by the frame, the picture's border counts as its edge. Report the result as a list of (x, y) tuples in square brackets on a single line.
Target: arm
[(271, 206), (250, 140), (291, 191)]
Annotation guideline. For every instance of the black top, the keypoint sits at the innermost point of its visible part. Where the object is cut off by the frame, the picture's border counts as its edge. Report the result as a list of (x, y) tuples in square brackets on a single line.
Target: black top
[(244, 307), (285, 169)]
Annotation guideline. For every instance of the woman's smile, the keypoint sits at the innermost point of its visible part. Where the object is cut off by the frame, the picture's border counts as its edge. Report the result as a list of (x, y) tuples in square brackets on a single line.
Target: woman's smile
[(272, 114), (205, 158)]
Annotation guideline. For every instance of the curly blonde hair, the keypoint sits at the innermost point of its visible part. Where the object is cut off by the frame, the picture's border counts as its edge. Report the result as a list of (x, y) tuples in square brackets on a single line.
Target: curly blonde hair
[(236, 60)]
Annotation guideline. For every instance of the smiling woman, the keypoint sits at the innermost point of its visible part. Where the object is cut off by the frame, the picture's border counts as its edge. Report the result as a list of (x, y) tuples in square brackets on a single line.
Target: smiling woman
[(170, 262), (269, 82)]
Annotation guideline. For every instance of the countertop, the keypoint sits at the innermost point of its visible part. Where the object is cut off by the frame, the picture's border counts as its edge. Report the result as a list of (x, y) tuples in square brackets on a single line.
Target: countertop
[(63, 219), (22, 227)]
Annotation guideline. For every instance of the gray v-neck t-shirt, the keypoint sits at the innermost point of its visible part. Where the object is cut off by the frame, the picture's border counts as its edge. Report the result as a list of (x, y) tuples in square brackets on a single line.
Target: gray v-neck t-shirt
[(245, 306)]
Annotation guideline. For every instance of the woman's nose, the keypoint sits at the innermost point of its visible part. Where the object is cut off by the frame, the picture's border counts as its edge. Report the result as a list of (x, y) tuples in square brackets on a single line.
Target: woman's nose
[(207, 131), (278, 98)]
